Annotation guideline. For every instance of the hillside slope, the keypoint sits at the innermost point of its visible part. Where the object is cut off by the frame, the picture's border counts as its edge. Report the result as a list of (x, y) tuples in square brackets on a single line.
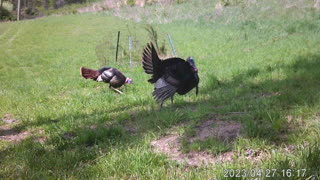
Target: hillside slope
[(257, 108)]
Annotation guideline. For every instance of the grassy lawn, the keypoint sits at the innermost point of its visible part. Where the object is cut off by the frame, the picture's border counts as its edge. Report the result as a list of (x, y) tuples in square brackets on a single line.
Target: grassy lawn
[(259, 66)]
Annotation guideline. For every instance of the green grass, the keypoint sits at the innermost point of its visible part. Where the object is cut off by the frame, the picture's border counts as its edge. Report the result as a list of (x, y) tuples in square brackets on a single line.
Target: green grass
[(214, 146), (262, 60)]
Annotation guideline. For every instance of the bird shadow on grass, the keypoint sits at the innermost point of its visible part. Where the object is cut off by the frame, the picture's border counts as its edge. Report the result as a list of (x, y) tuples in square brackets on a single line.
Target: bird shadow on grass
[(269, 96)]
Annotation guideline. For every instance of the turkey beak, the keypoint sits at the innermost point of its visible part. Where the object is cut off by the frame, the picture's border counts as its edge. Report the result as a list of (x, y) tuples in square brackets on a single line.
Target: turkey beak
[(129, 81), (195, 69)]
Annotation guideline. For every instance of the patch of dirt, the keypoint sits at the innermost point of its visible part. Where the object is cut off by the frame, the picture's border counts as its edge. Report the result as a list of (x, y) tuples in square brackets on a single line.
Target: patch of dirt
[(265, 95), (225, 131), (290, 148), (270, 94), (7, 118), (131, 129), (170, 146), (41, 139), (255, 155), (69, 135), (93, 127), (10, 134)]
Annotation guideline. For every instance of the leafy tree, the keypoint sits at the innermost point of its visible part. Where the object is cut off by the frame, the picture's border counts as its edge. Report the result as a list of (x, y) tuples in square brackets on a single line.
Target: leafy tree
[(1, 3)]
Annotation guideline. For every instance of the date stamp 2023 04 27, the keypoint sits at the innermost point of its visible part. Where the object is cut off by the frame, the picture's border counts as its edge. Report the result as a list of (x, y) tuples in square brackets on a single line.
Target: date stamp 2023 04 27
[(254, 173)]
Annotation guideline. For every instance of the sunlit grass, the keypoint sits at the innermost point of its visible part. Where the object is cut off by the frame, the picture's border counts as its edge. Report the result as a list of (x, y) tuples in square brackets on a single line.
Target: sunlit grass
[(262, 63)]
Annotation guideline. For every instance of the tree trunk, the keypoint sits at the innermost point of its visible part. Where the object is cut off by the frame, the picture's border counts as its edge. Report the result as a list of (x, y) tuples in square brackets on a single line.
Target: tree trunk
[(14, 4), (45, 4), (1, 3), (317, 4), (18, 10), (25, 3), (59, 3)]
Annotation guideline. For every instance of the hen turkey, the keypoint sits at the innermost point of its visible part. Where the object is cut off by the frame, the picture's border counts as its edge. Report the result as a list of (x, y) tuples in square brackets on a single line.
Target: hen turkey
[(169, 75), (108, 75)]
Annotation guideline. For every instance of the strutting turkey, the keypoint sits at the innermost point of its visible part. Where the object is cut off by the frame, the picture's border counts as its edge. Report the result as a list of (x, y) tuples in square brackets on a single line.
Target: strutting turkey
[(108, 75), (169, 75)]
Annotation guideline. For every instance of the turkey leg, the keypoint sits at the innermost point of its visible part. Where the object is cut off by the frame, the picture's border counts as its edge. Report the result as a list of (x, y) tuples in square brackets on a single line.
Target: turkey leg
[(116, 90)]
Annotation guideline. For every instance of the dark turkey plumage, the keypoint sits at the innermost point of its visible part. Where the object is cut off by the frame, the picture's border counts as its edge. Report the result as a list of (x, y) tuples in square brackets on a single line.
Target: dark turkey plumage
[(106, 74), (170, 75)]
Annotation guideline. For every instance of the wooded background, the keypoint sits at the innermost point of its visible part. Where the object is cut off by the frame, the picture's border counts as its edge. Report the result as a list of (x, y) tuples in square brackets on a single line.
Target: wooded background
[(33, 8), (42, 3)]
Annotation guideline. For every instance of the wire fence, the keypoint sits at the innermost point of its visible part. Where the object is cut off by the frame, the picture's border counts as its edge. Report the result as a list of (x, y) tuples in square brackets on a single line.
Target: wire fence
[(127, 49)]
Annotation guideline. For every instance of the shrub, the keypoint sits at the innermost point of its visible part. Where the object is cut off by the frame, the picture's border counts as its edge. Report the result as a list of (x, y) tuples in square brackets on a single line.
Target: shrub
[(5, 14), (31, 11), (131, 2)]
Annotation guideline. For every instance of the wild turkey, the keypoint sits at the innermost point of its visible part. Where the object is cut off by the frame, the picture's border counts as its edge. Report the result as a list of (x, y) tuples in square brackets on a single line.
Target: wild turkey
[(108, 75), (170, 75)]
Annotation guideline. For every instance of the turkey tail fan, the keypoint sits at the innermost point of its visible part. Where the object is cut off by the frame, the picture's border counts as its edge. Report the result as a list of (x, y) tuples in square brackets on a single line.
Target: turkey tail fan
[(89, 73), (151, 62), (161, 94)]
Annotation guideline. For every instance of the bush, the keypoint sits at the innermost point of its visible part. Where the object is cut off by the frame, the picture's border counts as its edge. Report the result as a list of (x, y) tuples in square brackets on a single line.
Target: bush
[(31, 11), (5, 14), (131, 2)]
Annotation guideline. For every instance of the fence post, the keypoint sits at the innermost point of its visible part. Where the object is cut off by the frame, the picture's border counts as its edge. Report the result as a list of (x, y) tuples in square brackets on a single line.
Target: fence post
[(171, 44), (130, 49), (117, 46)]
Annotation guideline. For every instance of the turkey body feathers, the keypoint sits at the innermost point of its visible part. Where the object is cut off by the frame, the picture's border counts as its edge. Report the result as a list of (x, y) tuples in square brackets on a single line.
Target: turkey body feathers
[(106, 74), (118, 79), (169, 76), (179, 73)]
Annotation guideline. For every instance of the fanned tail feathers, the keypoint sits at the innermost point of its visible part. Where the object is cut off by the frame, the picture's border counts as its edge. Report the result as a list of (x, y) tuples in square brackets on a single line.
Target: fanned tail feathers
[(147, 60), (151, 62), (161, 94), (89, 73)]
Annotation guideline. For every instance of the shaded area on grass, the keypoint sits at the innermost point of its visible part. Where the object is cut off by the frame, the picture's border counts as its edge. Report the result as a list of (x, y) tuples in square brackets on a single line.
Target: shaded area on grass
[(266, 100)]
